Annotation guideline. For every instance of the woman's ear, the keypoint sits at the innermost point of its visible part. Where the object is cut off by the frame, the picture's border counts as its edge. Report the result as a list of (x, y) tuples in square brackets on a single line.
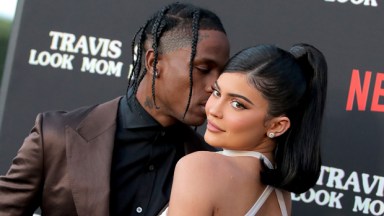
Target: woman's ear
[(278, 126)]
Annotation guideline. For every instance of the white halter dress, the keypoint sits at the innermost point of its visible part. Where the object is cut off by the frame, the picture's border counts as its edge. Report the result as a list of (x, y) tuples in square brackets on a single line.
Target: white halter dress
[(267, 191)]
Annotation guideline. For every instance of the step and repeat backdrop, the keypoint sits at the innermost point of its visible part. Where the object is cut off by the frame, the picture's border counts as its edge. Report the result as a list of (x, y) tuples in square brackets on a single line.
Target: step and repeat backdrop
[(64, 54)]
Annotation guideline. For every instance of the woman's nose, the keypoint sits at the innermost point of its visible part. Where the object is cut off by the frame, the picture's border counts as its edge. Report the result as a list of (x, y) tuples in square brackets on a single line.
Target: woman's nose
[(213, 107)]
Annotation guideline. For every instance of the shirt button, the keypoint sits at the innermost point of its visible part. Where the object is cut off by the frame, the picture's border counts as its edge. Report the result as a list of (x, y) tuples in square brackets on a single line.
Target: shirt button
[(162, 133), (139, 210), (151, 167)]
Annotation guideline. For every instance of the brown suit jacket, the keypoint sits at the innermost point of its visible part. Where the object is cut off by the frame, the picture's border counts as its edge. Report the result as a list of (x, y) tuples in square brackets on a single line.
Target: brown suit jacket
[(64, 164)]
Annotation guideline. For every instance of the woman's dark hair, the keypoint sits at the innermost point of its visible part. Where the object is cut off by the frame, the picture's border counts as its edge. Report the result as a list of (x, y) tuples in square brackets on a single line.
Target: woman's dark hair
[(174, 26), (294, 84)]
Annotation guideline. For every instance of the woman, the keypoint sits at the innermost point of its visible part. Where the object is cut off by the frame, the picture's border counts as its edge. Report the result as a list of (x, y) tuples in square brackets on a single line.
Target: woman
[(265, 112)]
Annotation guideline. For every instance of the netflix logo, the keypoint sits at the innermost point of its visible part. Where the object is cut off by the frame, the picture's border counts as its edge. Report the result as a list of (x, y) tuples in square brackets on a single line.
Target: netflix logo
[(360, 91)]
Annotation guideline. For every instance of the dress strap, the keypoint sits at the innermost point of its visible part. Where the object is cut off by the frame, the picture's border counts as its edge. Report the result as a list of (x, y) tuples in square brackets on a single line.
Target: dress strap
[(280, 199), (248, 153), (255, 208), (268, 190), (263, 197)]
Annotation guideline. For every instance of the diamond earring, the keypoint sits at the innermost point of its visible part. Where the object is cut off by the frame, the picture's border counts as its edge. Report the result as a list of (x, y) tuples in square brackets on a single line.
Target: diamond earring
[(271, 135)]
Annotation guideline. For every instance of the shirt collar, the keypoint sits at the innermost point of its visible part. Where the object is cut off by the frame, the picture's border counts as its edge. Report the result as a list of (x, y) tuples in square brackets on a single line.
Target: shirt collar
[(133, 115)]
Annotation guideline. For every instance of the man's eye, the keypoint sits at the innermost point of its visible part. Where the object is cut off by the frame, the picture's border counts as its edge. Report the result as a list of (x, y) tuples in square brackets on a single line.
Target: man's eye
[(204, 69)]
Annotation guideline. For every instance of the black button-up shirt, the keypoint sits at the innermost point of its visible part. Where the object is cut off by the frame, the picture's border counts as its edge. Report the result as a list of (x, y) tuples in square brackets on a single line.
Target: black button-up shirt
[(144, 158)]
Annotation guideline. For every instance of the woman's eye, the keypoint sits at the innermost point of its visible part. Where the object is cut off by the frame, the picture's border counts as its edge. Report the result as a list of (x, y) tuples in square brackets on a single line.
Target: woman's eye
[(237, 105), (215, 93)]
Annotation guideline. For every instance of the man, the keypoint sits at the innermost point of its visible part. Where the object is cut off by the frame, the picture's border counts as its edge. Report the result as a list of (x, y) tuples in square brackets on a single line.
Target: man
[(118, 158)]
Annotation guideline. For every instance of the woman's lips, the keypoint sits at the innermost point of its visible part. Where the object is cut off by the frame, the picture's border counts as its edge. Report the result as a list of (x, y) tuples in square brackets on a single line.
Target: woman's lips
[(213, 128)]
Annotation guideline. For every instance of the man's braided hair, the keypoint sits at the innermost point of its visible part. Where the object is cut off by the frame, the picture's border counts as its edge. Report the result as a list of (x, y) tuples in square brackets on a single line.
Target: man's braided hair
[(175, 26)]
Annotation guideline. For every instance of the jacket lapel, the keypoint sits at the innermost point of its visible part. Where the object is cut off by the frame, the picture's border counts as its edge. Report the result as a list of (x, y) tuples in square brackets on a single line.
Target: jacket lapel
[(89, 155)]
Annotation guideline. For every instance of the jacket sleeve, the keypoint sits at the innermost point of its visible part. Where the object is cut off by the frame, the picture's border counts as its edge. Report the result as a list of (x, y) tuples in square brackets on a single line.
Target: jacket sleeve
[(20, 188)]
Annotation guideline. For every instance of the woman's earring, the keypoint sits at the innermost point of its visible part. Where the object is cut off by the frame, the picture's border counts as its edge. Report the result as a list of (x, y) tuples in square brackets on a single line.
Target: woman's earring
[(271, 135)]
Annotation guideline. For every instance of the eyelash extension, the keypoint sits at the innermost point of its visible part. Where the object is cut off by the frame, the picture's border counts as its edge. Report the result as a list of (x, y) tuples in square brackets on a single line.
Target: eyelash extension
[(242, 106), (239, 103), (215, 90)]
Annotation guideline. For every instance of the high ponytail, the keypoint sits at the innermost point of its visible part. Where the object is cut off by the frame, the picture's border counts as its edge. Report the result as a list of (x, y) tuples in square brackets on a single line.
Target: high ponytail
[(301, 150)]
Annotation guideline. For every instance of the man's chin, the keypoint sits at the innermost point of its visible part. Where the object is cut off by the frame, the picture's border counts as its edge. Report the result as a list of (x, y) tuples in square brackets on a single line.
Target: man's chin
[(195, 121)]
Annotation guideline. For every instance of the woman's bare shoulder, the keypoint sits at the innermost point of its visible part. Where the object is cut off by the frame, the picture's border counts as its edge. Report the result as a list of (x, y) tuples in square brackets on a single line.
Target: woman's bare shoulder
[(195, 184), (202, 169), (200, 163)]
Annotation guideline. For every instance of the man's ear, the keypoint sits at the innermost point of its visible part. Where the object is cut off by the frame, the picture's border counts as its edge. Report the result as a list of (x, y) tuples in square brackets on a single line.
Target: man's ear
[(149, 61), (279, 125)]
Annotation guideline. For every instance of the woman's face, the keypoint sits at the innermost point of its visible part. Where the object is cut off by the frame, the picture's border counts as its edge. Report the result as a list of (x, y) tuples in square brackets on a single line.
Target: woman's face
[(236, 115)]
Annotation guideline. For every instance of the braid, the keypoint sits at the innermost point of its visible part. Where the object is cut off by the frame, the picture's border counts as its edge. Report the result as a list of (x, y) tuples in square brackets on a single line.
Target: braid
[(195, 37), (137, 65), (130, 76), (156, 33), (176, 20)]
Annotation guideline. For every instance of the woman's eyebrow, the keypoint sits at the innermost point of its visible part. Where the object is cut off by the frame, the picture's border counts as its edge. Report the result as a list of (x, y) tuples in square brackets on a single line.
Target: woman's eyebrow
[(233, 94)]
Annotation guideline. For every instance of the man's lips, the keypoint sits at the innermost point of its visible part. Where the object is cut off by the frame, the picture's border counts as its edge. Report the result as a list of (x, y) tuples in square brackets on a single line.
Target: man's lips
[(213, 128), (203, 103)]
